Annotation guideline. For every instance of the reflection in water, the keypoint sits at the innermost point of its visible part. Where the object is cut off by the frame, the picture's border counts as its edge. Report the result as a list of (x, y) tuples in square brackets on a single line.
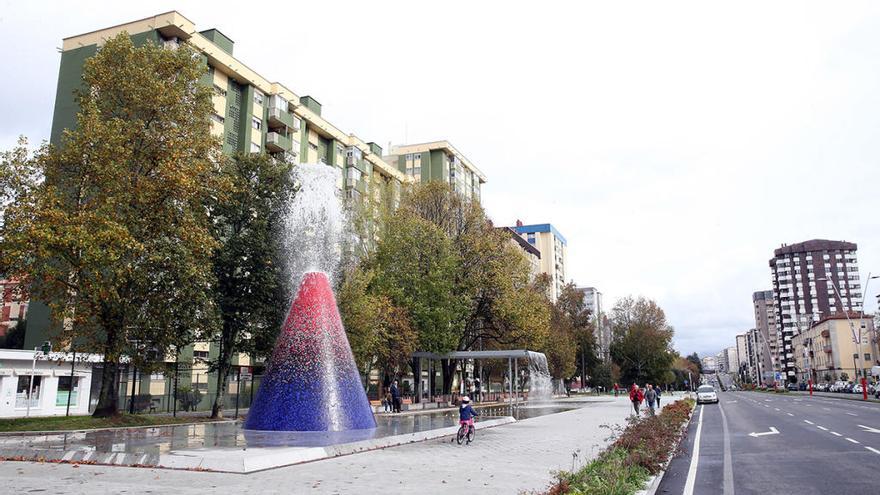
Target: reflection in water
[(162, 440)]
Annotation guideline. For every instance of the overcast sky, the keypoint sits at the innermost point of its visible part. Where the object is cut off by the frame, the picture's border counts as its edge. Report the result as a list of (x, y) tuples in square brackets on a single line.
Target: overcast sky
[(673, 146)]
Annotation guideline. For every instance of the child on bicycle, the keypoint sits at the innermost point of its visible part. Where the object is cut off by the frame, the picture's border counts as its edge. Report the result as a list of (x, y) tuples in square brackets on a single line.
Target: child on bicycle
[(466, 413)]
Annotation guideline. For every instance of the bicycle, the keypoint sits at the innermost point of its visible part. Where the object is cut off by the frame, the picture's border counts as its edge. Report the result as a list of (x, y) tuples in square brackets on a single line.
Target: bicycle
[(466, 430)]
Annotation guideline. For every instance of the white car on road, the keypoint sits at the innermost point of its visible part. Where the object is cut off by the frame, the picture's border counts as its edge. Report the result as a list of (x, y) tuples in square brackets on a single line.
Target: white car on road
[(706, 394)]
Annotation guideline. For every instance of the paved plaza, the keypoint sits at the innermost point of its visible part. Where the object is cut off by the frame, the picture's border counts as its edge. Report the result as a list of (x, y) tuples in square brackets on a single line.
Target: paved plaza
[(506, 459)]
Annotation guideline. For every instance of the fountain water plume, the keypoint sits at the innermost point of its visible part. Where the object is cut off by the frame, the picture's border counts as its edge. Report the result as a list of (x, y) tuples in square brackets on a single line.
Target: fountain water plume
[(540, 381), (314, 224)]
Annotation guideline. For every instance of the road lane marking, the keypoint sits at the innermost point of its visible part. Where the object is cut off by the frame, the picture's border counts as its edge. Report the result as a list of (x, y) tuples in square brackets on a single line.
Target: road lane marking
[(773, 431), (825, 408), (776, 408), (790, 414), (807, 421), (695, 457), (872, 449), (851, 414), (728, 462), (868, 429), (836, 434), (822, 428), (848, 439)]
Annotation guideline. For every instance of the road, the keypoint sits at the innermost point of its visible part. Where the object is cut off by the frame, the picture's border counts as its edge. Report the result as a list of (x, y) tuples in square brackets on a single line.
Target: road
[(754, 442)]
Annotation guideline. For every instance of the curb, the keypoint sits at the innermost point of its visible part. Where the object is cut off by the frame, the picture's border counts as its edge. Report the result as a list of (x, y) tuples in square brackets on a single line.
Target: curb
[(109, 428), (654, 483)]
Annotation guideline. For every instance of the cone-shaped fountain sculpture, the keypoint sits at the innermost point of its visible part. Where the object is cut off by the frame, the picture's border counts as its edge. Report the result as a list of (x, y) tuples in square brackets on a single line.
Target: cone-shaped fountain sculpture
[(311, 381)]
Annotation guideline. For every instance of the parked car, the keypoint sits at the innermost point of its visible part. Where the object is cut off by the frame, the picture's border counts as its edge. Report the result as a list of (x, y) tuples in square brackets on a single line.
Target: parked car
[(792, 387), (802, 386), (848, 387), (706, 394), (857, 388)]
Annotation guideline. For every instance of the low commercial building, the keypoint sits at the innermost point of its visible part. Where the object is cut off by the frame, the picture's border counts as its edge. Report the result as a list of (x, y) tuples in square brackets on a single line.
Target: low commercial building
[(828, 350), (42, 387)]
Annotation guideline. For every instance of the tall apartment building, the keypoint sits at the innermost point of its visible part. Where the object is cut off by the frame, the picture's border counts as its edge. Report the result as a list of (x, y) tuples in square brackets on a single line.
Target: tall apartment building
[(742, 355), (812, 280), (709, 364), (251, 114), (438, 161), (602, 331), (552, 245), (730, 360), (768, 332), (532, 254)]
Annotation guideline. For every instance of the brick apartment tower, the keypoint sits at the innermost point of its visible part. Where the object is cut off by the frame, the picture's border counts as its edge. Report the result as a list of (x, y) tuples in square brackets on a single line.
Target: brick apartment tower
[(805, 276)]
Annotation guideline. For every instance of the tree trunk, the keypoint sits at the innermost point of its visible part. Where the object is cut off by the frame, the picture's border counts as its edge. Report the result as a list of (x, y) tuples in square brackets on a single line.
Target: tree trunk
[(108, 398), (448, 370), (224, 363)]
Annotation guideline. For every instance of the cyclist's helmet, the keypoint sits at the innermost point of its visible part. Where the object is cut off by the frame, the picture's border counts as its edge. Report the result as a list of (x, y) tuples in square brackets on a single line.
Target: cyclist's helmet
[(465, 399)]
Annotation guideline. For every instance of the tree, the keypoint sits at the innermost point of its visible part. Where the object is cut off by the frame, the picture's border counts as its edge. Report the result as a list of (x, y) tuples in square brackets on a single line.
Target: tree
[(250, 290), (641, 340), (695, 359), (501, 306), (116, 239)]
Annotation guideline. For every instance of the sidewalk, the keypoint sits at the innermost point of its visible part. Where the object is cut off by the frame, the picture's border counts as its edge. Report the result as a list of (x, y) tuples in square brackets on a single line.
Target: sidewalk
[(837, 395), (504, 459)]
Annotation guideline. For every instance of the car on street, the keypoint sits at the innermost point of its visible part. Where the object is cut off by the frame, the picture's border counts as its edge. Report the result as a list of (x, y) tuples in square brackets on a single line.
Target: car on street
[(706, 394), (857, 388), (792, 387)]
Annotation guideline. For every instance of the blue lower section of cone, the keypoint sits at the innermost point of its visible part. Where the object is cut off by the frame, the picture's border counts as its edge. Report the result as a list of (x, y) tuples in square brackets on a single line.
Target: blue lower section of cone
[(290, 404)]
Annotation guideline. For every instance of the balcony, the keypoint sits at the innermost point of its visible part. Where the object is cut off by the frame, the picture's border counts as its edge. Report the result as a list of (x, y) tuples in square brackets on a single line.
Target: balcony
[(278, 117), (276, 142)]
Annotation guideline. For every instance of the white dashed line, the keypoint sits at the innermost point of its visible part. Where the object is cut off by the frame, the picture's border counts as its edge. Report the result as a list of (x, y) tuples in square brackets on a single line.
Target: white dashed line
[(836, 434), (872, 449), (822, 428), (807, 421), (851, 414), (790, 414), (776, 408), (848, 439)]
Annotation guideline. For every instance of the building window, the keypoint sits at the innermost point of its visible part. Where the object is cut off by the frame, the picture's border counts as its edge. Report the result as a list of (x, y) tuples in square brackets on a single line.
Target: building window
[(200, 354), (219, 91), (67, 387), (867, 358), (313, 146), (157, 376), (256, 123), (417, 156), (26, 390), (409, 156), (256, 148), (258, 98), (218, 119)]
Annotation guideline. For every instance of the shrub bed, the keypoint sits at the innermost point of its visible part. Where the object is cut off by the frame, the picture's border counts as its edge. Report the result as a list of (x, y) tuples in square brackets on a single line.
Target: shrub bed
[(641, 450)]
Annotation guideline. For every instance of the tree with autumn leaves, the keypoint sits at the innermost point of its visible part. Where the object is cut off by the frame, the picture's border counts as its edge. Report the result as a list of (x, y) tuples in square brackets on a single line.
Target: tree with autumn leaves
[(113, 233)]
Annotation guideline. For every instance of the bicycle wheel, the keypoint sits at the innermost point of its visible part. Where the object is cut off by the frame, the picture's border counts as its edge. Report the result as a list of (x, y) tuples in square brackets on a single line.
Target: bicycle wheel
[(461, 434), (470, 434)]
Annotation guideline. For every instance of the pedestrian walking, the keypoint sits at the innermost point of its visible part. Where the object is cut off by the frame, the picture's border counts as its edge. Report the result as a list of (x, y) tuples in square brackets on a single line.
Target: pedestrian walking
[(395, 397), (651, 398), (659, 392), (386, 400), (616, 389), (636, 397)]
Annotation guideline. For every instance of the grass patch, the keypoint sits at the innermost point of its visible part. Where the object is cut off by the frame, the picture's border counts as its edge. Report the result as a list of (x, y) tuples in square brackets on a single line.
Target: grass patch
[(56, 423), (641, 450), (610, 474)]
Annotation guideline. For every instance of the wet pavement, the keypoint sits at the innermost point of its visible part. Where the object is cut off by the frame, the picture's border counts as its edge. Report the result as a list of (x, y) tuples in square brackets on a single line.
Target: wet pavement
[(181, 445)]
